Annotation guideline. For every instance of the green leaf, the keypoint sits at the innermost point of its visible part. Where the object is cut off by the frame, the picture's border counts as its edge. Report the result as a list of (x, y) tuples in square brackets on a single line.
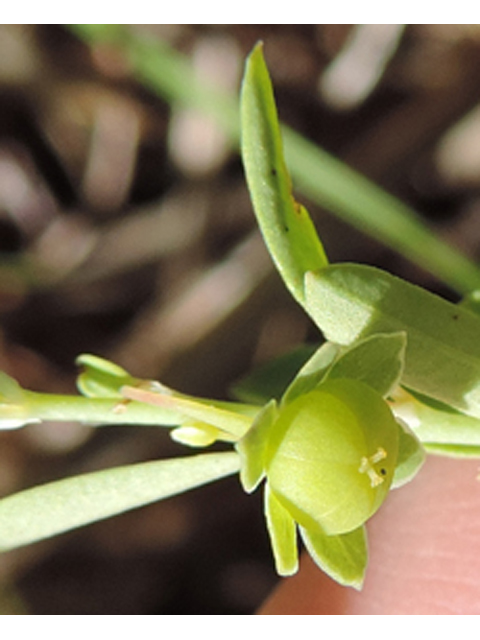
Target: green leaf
[(283, 535), (343, 557), (286, 226), (377, 361), (350, 302), (44, 511)]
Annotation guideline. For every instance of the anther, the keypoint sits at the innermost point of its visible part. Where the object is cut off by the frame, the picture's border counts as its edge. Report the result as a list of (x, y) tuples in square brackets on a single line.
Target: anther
[(366, 466)]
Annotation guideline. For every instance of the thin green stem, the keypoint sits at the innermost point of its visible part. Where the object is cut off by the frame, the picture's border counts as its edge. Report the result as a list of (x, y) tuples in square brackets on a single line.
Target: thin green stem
[(94, 411)]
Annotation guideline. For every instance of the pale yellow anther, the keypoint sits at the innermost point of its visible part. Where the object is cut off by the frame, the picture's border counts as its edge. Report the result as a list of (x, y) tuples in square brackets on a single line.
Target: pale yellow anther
[(366, 466)]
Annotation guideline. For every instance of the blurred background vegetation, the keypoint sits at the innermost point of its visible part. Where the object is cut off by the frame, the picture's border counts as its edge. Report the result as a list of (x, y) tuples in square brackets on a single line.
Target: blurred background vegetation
[(126, 231)]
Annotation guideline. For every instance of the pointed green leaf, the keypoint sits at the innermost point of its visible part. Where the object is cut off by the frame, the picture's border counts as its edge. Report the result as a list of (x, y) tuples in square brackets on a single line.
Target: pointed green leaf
[(286, 226), (44, 511), (283, 535), (350, 302), (344, 557)]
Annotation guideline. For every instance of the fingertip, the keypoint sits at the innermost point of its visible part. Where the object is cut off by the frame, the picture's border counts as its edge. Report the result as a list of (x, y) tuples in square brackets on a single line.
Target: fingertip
[(424, 554)]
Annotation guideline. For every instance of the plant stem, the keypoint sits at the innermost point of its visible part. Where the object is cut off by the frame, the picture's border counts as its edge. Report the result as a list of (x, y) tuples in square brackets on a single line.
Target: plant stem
[(95, 411)]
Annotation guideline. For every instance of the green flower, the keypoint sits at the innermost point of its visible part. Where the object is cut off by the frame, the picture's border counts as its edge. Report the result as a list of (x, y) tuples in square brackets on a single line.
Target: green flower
[(329, 451), (331, 456)]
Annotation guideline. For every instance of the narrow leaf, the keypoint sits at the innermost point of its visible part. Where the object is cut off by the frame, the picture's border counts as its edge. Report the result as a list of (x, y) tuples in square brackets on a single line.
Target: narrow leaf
[(50, 509), (286, 226)]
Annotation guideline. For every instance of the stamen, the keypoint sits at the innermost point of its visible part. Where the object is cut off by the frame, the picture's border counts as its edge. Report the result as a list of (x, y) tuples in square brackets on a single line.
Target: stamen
[(380, 454), (366, 466)]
